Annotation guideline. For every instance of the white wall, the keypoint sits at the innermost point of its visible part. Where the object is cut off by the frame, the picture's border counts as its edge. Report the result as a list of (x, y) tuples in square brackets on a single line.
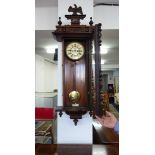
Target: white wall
[(46, 18), (45, 75), (108, 16), (68, 133)]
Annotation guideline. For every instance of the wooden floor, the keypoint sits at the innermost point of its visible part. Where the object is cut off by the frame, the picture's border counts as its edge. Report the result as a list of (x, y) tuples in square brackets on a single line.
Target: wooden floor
[(72, 149)]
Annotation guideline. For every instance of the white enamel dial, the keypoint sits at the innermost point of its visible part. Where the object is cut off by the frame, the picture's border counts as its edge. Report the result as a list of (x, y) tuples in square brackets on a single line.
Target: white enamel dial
[(75, 50)]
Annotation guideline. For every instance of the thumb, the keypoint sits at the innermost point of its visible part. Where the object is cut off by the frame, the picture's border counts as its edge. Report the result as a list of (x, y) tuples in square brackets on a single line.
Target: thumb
[(97, 117), (108, 113)]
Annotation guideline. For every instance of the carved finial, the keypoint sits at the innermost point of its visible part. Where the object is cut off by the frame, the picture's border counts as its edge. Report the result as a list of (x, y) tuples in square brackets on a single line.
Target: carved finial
[(59, 22), (99, 34), (75, 121), (91, 22), (60, 113), (91, 113), (75, 10)]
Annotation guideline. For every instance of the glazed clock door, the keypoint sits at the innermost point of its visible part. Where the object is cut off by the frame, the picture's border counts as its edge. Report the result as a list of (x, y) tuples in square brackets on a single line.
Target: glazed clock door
[(75, 77)]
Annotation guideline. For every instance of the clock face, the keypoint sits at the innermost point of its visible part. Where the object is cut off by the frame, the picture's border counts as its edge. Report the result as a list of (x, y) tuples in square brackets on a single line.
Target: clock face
[(75, 50)]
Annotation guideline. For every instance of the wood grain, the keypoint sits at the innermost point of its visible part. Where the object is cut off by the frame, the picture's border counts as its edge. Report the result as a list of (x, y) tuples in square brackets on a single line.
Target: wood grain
[(76, 149), (102, 135)]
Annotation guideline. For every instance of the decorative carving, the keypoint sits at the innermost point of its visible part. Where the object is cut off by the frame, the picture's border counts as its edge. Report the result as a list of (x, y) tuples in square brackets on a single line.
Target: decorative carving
[(97, 40), (99, 35), (75, 121), (75, 10), (91, 113), (90, 74), (75, 18), (74, 29), (60, 111), (75, 113)]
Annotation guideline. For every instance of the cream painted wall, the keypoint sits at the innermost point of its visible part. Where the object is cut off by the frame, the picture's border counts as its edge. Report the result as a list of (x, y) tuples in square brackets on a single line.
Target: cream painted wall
[(45, 75)]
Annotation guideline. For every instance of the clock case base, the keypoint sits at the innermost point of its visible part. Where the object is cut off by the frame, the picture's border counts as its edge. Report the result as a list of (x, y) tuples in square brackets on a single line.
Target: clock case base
[(73, 112)]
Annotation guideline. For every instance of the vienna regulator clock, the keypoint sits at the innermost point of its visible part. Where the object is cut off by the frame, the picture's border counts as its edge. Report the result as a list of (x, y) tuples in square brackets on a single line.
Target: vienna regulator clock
[(77, 64)]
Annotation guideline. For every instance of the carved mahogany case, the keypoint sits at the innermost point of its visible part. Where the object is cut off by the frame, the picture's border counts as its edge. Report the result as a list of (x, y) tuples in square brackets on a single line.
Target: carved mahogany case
[(77, 64)]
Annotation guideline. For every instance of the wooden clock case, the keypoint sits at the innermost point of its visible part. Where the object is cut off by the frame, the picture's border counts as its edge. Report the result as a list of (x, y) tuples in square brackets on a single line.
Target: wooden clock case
[(77, 74)]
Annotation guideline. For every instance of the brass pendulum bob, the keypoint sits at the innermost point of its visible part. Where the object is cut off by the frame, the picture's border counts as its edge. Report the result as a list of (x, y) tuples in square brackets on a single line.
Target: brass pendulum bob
[(74, 97)]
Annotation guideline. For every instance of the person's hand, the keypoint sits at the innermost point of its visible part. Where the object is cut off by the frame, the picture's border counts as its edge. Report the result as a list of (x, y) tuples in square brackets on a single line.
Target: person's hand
[(108, 121)]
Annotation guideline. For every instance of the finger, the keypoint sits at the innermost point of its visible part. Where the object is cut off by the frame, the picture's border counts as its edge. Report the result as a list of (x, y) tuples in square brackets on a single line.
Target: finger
[(103, 117), (108, 113), (99, 119)]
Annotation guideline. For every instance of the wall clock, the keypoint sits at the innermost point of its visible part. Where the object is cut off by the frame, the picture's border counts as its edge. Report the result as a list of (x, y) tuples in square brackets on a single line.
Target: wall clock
[(76, 51)]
